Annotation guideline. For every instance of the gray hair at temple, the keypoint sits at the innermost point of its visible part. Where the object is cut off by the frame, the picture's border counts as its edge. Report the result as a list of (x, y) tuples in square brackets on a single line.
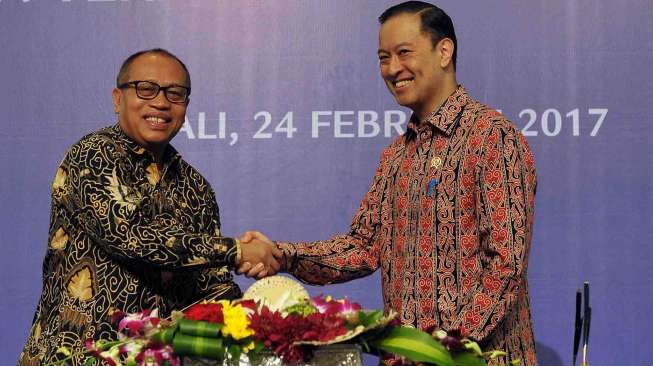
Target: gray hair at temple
[(435, 22), (124, 68)]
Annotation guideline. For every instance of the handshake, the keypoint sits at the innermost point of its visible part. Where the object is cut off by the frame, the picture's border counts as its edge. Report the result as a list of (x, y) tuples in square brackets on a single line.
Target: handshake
[(260, 257)]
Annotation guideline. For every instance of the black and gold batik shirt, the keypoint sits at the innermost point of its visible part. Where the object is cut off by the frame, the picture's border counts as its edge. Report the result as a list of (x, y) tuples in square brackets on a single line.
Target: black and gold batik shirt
[(127, 234)]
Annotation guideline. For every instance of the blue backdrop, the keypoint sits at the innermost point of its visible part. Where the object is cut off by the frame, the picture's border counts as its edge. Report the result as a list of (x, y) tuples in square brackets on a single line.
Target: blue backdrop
[(575, 76)]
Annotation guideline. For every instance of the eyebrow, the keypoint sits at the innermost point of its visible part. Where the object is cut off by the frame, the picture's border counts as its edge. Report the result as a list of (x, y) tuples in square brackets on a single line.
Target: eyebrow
[(161, 84), (407, 43)]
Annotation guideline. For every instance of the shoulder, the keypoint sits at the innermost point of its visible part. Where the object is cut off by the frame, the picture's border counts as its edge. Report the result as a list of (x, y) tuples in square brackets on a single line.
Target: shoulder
[(488, 120), (500, 135), (104, 139), (101, 145)]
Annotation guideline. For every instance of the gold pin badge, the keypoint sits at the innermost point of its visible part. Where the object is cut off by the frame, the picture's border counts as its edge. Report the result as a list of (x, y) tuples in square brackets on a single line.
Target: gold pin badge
[(436, 162)]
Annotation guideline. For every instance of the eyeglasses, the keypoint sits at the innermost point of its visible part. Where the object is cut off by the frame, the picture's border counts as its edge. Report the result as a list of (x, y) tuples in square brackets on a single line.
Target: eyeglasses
[(149, 90)]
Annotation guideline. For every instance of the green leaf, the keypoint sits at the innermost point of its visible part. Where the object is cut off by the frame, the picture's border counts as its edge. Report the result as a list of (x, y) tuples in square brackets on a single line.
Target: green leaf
[(165, 335), (258, 347), (303, 308), (474, 347), (468, 359), (198, 346), (371, 318), (415, 345), (199, 328), (90, 361), (64, 351), (105, 346), (234, 351), (494, 354)]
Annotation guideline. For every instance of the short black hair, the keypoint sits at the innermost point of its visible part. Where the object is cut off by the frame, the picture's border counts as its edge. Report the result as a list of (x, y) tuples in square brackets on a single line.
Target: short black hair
[(435, 21), (124, 68)]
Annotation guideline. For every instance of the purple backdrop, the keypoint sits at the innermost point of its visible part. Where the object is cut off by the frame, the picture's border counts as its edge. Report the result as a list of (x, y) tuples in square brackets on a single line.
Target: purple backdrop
[(574, 75)]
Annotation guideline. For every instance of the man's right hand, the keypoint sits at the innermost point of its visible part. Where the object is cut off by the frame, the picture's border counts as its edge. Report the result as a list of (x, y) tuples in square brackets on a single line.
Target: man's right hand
[(259, 256)]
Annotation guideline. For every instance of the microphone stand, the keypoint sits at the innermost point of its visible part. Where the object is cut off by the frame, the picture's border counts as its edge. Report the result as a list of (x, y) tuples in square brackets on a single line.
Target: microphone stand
[(587, 318), (578, 325), (582, 323)]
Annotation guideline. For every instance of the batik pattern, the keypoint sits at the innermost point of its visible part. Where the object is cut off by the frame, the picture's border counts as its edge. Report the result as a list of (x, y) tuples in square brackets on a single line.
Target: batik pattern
[(448, 220), (124, 235)]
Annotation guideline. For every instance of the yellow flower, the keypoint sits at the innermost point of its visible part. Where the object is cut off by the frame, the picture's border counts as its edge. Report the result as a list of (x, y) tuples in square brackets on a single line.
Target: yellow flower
[(236, 324), (248, 347)]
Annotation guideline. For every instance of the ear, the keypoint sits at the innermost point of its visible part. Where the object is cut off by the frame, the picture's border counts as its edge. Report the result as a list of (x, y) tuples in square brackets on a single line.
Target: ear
[(446, 48), (116, 97)]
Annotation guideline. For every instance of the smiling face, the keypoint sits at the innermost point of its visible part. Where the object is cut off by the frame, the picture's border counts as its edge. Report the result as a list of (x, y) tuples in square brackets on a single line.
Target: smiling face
[(151, 123), (419, 75)]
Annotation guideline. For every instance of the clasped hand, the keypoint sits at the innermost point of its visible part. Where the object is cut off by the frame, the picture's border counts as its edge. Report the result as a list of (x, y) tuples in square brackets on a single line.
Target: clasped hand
[(260, 257)]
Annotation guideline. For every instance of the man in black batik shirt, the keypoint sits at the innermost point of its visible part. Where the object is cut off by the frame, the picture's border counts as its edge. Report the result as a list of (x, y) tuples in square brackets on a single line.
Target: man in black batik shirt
[(133, 226)]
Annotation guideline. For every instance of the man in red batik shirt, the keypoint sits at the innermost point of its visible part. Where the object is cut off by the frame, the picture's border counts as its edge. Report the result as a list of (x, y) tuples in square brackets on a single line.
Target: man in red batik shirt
[(448, 216)]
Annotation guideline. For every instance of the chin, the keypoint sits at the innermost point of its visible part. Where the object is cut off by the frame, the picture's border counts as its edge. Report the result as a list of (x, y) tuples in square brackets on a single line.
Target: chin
[(157, 140), (404, 102)]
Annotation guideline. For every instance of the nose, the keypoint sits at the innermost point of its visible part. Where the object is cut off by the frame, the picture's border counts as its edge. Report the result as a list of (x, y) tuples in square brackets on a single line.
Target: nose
[(394, 67), (160, 101)]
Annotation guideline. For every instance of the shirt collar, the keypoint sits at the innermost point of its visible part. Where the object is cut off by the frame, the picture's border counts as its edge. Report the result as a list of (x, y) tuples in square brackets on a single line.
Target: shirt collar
[(170, 154), (444, 117)]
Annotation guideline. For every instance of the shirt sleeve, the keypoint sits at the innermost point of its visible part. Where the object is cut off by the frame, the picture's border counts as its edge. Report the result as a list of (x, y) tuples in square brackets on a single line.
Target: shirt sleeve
[(347, 256), (96, 192), (215, 282), (507, 183)]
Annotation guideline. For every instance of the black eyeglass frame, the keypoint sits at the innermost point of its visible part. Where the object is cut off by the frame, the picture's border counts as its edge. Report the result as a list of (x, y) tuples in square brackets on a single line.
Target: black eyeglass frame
[(134, 84)]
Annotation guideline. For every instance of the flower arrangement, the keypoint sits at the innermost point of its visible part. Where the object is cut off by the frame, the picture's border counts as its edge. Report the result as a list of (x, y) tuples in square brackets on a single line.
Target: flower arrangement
[(136, 344), (291, 329)]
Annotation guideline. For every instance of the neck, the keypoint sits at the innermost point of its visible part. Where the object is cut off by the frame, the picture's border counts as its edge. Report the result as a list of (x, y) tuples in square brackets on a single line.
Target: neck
[(449, 86), (158, 154)]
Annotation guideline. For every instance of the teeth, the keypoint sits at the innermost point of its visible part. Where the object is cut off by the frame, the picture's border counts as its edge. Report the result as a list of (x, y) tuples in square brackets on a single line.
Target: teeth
[(155, 119), (402, 83)]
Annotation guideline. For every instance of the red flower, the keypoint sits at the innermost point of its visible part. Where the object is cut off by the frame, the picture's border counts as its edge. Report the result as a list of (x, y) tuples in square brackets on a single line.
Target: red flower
[(281, 333), (249, 304), (205, 312), (324, 327)]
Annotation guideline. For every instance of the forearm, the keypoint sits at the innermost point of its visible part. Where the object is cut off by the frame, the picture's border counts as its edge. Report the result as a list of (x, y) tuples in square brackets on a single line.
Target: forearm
[(120, 215), (340, 259)]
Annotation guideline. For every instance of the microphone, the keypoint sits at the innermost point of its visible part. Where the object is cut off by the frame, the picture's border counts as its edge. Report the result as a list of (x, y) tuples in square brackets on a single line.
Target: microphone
[(578, 324), (587, 317)]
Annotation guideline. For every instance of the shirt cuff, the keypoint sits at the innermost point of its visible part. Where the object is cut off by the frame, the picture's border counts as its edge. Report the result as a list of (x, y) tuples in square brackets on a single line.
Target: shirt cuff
[(239, 252)]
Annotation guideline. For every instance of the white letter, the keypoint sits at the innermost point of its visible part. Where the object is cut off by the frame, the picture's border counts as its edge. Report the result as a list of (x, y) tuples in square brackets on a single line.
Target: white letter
[(222, 125), (388, 124), (338, 123), (188, 129), (201, 127), (363, 121), (316, 122)]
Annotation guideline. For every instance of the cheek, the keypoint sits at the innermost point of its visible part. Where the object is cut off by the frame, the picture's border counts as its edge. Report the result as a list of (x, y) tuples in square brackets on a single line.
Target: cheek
[(133, 108), (179, 114), (383, 70)]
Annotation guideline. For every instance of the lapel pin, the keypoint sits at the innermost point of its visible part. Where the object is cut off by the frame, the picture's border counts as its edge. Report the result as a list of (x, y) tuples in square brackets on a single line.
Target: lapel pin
[(436, 162)]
